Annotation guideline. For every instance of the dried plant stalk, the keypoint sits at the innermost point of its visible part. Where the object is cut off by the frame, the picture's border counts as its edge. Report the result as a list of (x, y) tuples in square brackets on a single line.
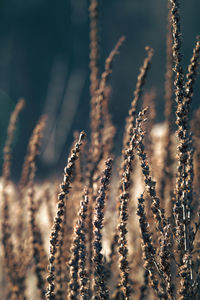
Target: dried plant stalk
[(9, 141), (123, 210), (109, 130), (183, 197), (166, 182), (158, 213), (130, 121), (100, 288), (192, 72), (98, 148), (182, 133), (149, 101), (17, 284), (96, 135), (33, 151), (165, 259), (83, 275), (78, 255), (38, 252), (94, 54), (196, 131), (33, 148), (156, 270), (58, 221), (148, 249), (90, 239)]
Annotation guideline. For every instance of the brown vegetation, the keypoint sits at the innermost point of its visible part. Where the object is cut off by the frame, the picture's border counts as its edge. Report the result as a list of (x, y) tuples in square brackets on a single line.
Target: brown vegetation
[(146, 246)]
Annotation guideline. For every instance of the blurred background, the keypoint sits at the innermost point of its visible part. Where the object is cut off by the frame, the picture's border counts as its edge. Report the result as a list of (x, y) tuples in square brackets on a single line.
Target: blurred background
[(44, 57)]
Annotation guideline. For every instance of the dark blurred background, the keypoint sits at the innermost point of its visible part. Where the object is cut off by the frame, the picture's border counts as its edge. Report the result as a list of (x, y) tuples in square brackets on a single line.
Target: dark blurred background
[(44, 56)]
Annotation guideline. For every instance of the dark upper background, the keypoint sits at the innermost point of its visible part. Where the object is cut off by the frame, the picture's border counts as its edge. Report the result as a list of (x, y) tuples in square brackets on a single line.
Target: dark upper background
[(44, 58)]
